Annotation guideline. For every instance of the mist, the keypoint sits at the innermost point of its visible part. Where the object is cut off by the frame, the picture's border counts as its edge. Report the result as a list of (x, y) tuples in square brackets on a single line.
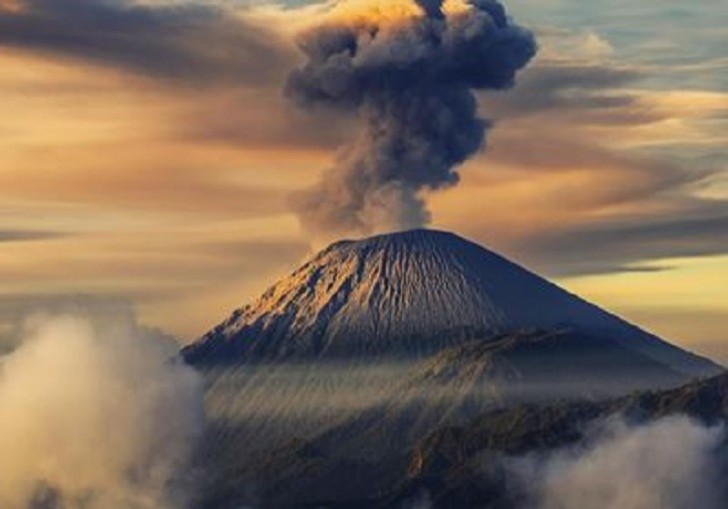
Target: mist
[(95, 414), (673, 463)]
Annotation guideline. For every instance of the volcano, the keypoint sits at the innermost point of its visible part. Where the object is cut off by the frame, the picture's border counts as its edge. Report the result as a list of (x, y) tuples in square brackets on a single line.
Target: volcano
[(410, 295), (338, 371)]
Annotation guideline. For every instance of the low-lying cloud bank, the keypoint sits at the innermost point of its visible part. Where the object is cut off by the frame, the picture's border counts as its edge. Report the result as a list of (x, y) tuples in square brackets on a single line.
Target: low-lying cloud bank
[(95, 414), (674, 463)]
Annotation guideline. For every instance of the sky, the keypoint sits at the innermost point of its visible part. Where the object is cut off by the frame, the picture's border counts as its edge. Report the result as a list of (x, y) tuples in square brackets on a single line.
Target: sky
[(148, 155)]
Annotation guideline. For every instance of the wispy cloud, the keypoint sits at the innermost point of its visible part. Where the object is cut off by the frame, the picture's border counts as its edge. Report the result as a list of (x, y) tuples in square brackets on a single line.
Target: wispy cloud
[(192, 43), (27, 235)]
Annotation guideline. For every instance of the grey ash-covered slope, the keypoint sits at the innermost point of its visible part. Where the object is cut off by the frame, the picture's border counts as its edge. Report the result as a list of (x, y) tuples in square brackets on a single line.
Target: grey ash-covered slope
[(412, 294)]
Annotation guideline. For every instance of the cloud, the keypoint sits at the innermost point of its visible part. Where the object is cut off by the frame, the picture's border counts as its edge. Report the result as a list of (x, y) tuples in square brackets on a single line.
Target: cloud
[(260, 119), (622, 175), (191, 43), (26, 235), (95, 413), (205, 267), (673, 463), (571, 88), (613, 247)]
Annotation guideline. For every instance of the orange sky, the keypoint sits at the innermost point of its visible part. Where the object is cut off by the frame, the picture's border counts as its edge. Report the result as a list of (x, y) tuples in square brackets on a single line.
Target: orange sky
[(170, 189)]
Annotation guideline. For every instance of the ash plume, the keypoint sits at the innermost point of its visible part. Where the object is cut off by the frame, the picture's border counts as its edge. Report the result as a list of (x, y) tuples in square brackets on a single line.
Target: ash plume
[(408, 71)]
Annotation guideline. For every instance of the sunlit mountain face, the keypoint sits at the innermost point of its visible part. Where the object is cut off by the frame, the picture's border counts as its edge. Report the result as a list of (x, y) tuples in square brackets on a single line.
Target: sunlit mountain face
[(392, 254)]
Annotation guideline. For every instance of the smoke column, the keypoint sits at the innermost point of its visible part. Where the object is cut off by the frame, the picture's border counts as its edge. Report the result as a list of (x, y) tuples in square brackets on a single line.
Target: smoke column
[(408, 71), (95, 416)]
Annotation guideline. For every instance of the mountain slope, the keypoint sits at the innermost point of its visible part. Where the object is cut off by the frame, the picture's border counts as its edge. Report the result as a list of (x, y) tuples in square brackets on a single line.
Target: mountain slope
[(461, 467), (450, 463), (409, 295), (338, 370), (459, 383)]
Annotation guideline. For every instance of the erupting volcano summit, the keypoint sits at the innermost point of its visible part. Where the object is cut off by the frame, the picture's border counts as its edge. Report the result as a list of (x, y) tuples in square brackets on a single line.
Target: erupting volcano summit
[(409, 295)]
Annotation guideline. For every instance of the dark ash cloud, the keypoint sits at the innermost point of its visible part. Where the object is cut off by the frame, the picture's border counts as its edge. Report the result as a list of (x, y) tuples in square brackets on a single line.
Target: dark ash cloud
[(192, 43), (410, 81)]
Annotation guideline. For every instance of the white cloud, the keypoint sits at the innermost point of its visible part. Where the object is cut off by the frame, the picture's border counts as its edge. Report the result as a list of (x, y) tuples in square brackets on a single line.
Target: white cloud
[(94, 415), (670, 464)]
